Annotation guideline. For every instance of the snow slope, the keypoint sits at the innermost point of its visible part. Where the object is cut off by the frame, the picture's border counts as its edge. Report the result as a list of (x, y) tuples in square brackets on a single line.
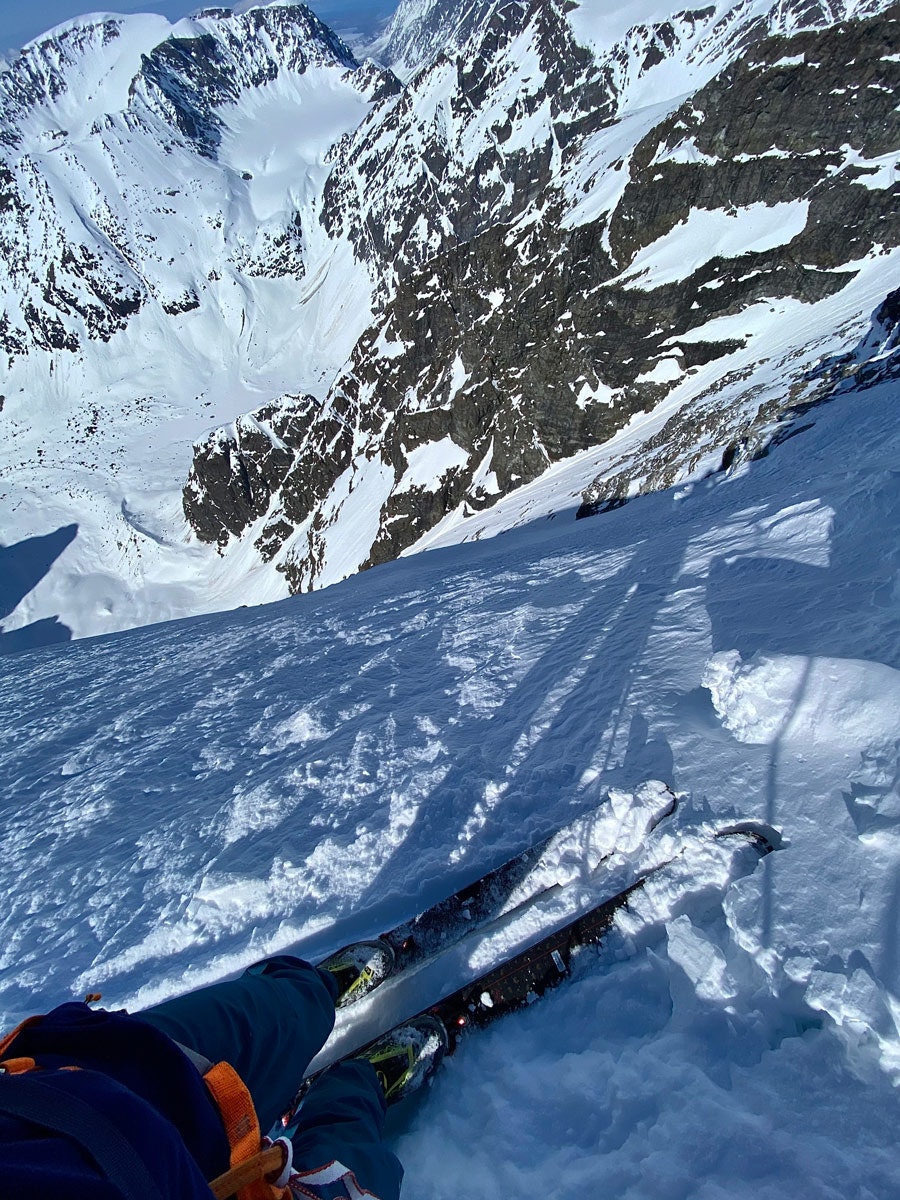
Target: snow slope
[(182, 799)]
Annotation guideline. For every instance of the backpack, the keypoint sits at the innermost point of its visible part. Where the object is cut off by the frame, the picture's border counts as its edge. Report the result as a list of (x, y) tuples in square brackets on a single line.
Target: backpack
[(258, 1169)]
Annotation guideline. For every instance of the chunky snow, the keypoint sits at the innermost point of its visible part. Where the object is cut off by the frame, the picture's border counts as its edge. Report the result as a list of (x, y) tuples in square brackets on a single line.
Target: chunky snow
[(181, 799)]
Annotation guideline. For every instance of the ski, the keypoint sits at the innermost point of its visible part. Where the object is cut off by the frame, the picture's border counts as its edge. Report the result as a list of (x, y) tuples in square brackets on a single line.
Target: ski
[(529, 876), (526, 976), (515, 982)]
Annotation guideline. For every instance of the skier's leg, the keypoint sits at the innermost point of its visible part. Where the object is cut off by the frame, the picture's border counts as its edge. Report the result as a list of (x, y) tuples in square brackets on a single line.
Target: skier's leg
[(268, 1025), (340, 1132)]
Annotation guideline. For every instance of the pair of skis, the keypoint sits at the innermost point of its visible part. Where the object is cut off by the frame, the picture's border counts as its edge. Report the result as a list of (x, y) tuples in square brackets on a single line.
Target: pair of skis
[(497, 897)]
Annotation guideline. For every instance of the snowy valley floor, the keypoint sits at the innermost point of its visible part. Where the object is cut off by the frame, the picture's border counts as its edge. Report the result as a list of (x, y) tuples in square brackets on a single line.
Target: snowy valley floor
[(182, 799)]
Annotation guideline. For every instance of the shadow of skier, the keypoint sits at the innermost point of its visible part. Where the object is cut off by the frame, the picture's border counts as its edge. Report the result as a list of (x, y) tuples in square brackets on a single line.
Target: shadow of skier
[(22, 567)]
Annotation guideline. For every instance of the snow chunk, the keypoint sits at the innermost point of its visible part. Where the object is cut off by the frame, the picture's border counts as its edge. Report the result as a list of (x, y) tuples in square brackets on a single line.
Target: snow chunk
[(250, 811), (700, 959), (297, 730), (776, 697)]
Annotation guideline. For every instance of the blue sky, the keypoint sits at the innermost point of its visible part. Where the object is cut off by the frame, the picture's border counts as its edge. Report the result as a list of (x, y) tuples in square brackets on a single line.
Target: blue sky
[(22, 20)]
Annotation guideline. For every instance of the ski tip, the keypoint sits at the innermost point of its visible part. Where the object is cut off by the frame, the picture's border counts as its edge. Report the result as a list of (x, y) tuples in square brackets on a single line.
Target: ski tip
[(765, 838)]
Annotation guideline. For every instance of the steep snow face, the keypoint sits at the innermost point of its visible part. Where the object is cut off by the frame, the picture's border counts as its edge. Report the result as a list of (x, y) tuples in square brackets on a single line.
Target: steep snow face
[(181, 800), (563, 222), (279, 138), (421, 30)]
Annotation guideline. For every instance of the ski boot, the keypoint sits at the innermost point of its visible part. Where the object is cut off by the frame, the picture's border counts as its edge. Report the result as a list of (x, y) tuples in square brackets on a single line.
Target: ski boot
[(406, 1058), (358, 969)]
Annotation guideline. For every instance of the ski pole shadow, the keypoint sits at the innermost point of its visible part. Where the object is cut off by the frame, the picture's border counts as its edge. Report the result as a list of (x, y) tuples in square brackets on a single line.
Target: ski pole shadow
[(564, 732), (845, 607), (772, 769), (889, 965)]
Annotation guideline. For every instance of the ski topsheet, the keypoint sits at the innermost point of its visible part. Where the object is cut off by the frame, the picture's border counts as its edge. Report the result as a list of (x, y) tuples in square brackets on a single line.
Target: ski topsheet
[(619, 825)]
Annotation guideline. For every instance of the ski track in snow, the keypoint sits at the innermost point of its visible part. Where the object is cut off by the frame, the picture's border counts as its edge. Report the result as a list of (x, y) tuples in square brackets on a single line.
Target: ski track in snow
[(182, 799)]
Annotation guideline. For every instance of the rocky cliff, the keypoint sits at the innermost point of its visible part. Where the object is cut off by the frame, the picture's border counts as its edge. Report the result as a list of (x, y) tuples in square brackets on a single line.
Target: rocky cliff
[(561, 260)]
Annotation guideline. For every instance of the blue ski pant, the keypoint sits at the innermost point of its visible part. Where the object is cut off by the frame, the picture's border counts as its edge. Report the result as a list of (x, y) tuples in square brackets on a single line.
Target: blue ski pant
[(269, 1024)]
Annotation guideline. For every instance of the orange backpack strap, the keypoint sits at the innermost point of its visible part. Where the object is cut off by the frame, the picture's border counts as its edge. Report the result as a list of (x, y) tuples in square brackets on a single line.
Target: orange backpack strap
[(8, 1040), (18, 1066), (249, 1166), (263, 1165)]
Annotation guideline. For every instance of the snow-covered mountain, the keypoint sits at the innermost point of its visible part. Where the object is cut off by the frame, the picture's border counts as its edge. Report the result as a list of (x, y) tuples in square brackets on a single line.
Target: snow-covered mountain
[(572, 243), (395, 298), (422, 30), (163, 262)]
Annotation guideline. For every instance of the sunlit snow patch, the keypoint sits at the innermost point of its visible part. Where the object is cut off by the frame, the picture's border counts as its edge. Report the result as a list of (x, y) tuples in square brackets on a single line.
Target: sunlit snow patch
[(428, 464), (809, 698), (712, 233)]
